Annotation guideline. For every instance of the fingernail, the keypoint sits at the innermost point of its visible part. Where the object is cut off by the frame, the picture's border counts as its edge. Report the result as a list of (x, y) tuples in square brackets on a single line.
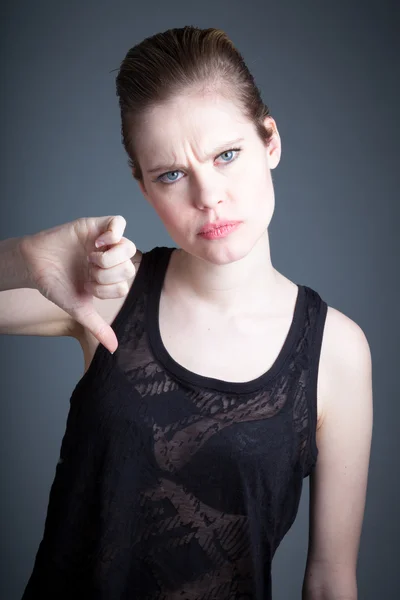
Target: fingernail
[(99, 243)]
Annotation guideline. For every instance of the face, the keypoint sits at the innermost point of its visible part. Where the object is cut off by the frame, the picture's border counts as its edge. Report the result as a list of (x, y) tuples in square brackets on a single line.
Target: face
[(207, 164)]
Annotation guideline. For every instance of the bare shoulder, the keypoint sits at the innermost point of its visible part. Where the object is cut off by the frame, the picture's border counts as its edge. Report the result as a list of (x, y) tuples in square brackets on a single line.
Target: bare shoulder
[(345, 351), (108, 309)]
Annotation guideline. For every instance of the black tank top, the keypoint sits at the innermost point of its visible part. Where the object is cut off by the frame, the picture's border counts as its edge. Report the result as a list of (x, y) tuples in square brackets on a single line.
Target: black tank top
[(172, 485)]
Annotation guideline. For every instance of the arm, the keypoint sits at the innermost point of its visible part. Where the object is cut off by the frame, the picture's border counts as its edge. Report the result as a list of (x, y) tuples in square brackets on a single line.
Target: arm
[(339, 482), (23, 309)]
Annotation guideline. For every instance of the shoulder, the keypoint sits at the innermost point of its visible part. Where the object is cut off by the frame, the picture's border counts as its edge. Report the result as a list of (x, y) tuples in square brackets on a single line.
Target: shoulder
[(343, 337), (345, 357)]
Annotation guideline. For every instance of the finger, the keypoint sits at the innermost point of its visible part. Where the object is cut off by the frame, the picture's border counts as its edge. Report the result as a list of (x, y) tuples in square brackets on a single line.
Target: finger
[(87, 316), (117, 254), (113, 233), (122, 272), (105, 292)]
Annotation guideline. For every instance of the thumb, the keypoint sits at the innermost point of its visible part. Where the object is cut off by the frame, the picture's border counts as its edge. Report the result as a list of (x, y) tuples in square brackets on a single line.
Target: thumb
[(87, 316)]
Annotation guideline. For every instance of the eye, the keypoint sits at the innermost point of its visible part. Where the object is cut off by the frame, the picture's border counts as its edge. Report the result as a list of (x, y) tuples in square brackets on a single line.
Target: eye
[(225, 162), (228, 151)]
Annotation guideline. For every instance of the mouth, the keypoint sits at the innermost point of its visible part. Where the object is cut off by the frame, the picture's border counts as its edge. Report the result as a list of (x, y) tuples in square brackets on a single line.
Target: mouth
[(220, 232), (210, 227)]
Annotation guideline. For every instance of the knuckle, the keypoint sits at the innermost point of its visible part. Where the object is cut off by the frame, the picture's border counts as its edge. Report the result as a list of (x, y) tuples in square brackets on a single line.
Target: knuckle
[(79, 223), (100, 330), (121, 220), (95, 289), (106, 259), (103, 293), (98, 276), (75, 310), (93, 259), (124, 245), (98, 290), (129, 269), (118, 226), (133, 248), (122, 288), (101, 259)]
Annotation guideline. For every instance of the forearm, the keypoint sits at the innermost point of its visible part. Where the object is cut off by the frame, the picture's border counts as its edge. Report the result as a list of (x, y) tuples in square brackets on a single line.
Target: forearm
[(335, 583), (13, 271)]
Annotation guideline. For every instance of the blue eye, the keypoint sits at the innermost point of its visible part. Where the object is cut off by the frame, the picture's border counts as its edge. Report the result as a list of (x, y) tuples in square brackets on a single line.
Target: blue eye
[(165, 175), (227, 152), (228, 162)]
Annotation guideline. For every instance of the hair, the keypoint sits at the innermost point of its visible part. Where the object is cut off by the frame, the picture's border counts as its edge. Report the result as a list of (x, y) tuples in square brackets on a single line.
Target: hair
[(184, 60)]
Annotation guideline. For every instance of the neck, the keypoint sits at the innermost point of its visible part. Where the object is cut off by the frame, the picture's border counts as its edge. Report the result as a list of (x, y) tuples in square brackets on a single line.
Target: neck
[(249, 284)]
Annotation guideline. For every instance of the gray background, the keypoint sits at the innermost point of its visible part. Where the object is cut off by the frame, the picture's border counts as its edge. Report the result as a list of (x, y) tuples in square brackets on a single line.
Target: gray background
[(327, 71)]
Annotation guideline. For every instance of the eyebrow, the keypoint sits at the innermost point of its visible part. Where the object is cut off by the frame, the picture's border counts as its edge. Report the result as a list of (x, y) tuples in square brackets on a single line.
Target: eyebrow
[(175, 167)]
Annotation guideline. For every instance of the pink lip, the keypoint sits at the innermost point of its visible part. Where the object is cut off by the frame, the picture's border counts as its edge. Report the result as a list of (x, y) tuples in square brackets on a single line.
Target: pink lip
[(216, 225), (220, 232)]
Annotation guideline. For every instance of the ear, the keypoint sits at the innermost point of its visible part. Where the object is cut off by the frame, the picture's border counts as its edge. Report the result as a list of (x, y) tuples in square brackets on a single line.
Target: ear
[(274, 148)]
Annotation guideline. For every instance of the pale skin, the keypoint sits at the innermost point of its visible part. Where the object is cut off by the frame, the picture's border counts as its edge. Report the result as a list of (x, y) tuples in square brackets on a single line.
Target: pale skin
[(227, 292)]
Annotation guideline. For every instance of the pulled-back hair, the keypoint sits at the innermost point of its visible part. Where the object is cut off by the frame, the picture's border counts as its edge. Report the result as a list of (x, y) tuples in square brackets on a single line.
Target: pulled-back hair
[(178, 61)]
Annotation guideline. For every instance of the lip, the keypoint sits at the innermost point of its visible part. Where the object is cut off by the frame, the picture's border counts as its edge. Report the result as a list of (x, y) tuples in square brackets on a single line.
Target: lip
[(216, 225)]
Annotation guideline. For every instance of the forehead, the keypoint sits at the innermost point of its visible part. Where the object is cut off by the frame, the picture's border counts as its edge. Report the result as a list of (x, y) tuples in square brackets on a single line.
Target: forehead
[(198, 121)]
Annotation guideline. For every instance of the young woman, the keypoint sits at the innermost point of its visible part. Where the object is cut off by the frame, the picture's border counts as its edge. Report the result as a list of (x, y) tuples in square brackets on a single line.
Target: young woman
[(213, 384)]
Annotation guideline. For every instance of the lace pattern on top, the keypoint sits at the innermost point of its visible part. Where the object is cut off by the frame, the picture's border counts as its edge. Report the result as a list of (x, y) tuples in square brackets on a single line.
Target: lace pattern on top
[(168, 489)]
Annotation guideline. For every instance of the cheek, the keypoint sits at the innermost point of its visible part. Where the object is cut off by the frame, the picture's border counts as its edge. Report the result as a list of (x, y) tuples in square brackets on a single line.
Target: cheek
[(169, 215), (254, 187)]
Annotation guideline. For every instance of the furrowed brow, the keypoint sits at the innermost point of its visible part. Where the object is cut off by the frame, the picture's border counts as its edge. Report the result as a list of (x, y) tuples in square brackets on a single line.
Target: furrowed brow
[(176, 167)]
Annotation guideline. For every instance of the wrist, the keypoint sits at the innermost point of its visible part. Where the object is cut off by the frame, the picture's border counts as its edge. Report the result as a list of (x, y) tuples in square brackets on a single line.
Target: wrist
[(15, 272)]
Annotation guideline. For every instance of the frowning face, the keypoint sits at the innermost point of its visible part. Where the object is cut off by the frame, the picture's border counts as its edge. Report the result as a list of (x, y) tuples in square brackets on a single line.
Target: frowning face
[(203, 162)]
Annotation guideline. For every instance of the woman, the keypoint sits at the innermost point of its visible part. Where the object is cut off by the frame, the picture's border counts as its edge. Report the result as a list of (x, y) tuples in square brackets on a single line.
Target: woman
[(182, 463)]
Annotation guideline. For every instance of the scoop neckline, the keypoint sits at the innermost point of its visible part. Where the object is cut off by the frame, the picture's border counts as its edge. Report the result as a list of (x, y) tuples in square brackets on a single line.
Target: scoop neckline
[(185, 375)]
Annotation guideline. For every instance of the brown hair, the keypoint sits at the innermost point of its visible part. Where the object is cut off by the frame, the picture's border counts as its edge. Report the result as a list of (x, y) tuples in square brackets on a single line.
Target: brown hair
[(176, 61)]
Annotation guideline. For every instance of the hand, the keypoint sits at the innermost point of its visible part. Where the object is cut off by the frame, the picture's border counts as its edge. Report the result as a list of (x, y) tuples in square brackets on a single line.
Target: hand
[(58, 264)]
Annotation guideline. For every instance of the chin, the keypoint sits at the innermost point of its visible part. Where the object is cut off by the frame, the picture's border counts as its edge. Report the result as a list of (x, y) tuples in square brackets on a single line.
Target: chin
[(219, 252), (229, 249)]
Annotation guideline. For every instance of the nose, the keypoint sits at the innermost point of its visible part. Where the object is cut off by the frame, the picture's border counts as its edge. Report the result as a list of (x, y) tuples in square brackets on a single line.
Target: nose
[(206, 195)]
